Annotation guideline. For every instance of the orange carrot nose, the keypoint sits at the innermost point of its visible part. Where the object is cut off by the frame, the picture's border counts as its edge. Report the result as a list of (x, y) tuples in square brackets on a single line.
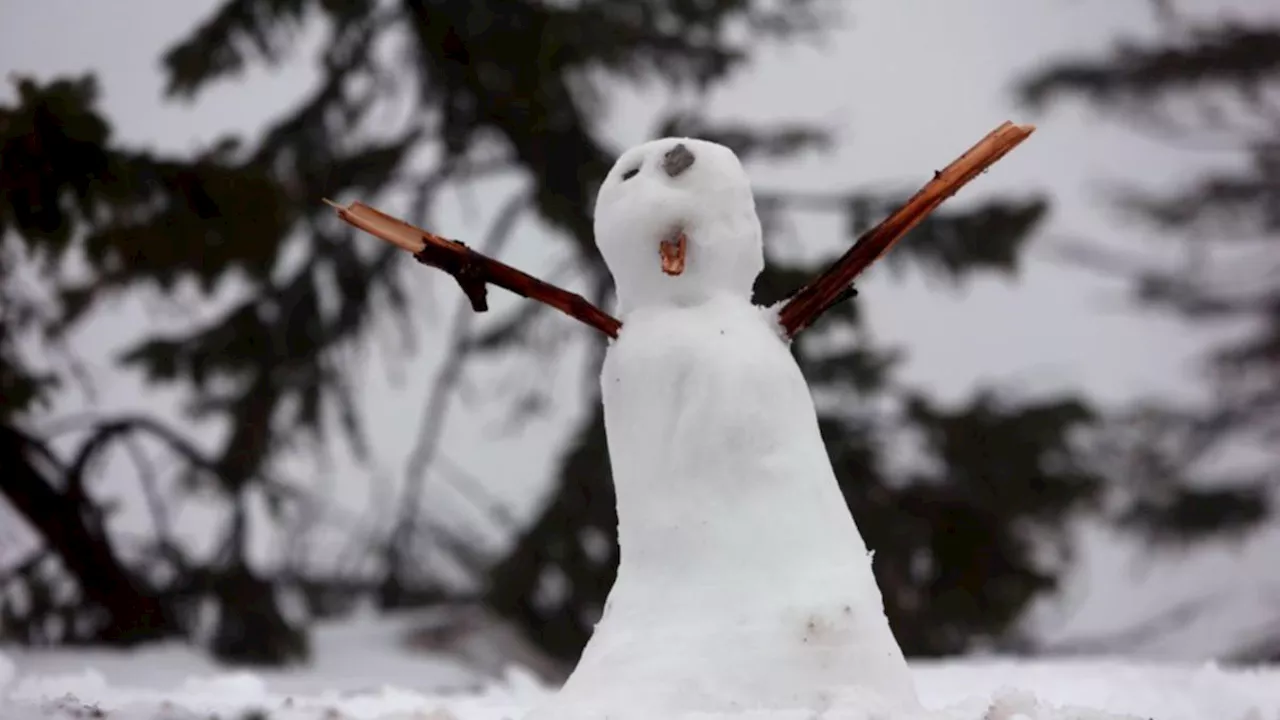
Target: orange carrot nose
[(672, 249)]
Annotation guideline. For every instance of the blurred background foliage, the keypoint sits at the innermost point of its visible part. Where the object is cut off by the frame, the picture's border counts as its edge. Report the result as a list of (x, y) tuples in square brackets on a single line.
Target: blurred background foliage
[(968, 532)]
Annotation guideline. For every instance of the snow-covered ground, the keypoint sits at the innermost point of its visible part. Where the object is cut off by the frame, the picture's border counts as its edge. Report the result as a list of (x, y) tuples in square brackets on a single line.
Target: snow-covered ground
[(364, 671)]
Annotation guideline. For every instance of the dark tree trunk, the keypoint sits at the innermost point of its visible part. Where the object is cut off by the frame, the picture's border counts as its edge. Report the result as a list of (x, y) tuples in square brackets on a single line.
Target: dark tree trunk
[(252, 630), (584, 503), (135, 615)]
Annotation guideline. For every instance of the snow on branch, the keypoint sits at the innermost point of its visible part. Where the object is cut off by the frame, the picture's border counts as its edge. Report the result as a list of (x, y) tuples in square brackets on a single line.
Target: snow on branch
[(474, 271)]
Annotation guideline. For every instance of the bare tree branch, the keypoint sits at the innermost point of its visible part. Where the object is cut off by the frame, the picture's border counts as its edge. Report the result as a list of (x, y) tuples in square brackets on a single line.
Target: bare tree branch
[(431, 427), (1139, 635), (829, 288), (147, 477), (472, 270), (134, 612)]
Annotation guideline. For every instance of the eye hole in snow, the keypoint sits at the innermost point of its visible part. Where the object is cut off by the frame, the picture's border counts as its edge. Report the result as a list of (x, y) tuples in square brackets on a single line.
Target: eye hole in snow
[(630, 174)]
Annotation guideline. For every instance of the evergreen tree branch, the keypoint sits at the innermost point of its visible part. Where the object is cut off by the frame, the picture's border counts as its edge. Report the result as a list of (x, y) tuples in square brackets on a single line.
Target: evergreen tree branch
[(804, 307), (472, 270), (1203, 56)]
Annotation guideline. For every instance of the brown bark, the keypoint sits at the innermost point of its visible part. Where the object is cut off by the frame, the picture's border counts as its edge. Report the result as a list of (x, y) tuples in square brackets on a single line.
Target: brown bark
[(474, 271), (802, 308), (672, 250)]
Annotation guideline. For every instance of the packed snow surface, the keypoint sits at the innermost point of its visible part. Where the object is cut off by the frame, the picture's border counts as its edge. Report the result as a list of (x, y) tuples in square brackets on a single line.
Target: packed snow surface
[(150, 685)]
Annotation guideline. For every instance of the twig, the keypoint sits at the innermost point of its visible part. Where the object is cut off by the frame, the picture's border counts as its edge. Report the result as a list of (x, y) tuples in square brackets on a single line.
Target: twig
[(472, 270), (826, 290)]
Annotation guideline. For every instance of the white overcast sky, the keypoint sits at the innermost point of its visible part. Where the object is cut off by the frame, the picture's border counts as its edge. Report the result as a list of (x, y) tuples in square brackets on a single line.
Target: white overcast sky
[(907, 84)]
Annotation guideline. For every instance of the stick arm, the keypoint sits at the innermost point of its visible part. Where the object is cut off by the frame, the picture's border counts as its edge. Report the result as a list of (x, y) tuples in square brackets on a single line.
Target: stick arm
[(803, 308), (473, 271)]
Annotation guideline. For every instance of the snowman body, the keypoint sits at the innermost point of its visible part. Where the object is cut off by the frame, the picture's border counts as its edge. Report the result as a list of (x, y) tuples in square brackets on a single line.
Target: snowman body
[(744, 586)]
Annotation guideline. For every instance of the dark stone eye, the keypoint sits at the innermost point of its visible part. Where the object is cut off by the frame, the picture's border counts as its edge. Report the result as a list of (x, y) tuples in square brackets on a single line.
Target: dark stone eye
[(677, 160), (630, 174)]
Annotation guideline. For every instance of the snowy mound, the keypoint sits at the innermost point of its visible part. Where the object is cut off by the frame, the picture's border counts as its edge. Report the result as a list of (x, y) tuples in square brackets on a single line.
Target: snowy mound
[(1099, 690)]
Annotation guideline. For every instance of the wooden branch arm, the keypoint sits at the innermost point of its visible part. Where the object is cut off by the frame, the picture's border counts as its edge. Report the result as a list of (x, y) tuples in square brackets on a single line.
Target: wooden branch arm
[(801, 309), (472, 270)]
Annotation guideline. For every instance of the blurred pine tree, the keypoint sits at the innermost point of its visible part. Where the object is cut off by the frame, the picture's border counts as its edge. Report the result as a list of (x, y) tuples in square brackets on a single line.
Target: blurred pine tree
[(1204, 82), (495, 85)]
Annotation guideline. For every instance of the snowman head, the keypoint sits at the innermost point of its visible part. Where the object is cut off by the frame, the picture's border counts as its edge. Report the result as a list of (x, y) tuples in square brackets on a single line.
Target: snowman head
[(676, 223)]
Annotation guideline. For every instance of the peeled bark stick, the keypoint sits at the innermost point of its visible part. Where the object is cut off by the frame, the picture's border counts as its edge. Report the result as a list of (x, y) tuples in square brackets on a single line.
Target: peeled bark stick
[(802, 308), (672, 251), (472, 270)]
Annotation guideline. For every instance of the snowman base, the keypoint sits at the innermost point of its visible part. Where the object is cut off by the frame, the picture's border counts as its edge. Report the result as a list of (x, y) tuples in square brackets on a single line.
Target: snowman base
[(1006, 705)]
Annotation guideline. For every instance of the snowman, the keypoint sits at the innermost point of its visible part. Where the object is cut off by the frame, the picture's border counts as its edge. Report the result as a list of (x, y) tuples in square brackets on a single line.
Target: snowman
[(744, 589), (744, 586)]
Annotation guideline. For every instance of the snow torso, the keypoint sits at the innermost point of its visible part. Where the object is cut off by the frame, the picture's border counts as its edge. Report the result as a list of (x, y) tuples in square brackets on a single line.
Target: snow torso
[(716, 454), (744, 585), (744, 581)]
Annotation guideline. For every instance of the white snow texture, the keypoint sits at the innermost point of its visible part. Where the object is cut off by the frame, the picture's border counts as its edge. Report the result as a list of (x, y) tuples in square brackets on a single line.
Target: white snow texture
[(358, 676)]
